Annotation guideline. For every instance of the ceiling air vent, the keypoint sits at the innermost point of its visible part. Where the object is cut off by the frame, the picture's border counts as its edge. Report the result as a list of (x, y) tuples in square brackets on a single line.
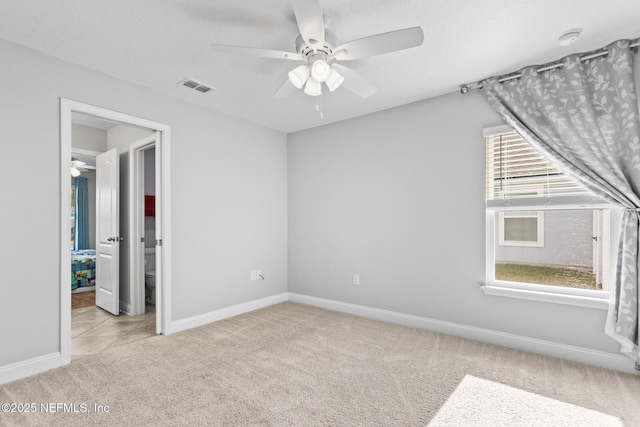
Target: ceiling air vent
[(196, 85)]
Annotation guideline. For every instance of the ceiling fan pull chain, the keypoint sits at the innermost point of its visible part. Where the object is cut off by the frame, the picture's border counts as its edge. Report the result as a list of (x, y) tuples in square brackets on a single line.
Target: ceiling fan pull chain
[(320, 107)]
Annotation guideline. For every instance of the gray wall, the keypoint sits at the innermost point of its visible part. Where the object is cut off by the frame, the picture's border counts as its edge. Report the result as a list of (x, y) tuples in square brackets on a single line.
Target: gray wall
[(122, 136), (150, 171), (229, 194), (398, 197), (88, 138)]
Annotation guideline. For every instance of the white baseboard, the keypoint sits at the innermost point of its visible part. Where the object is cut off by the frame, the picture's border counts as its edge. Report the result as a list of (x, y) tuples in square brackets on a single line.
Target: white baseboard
[(26, 368), (83, 289), (616, 362), (224, 313)]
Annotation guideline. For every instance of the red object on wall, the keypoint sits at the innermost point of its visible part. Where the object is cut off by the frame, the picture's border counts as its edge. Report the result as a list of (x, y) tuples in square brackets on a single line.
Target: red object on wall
[(149, 205)]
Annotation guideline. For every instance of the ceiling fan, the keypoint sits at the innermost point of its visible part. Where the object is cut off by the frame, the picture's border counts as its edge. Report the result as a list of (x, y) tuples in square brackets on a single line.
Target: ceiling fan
[(78, 166), (320, 52)]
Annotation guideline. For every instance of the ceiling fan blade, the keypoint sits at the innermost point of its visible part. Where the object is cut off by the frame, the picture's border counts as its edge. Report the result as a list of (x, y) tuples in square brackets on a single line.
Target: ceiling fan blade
[(355, 83), (310, 21), (380, 44), (255, 51), (285, 89)]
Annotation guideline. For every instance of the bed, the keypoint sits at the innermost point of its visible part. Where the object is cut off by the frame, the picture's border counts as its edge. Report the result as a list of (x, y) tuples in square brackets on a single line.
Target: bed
[(83, 268)]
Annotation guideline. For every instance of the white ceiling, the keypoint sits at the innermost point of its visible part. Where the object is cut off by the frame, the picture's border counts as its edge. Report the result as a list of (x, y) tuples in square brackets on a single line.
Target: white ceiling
[(157, 44)]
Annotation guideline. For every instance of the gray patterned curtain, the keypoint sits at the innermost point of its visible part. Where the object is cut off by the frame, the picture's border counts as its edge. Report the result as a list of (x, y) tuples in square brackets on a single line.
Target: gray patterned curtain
[(583, 118)]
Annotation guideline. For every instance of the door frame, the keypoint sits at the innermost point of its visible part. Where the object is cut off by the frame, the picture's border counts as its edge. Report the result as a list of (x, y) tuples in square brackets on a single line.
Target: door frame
[(163, 144), (136, 220)]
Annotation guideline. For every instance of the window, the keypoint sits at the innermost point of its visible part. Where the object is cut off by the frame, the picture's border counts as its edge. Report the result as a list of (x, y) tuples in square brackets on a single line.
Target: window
[(521, 228), (548, 237)]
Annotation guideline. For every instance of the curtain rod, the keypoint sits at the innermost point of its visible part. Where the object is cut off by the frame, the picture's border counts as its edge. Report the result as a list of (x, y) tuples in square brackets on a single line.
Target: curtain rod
[(464, 89)]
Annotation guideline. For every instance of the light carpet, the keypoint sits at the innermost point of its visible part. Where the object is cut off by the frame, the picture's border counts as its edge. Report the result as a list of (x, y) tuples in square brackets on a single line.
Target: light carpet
[(481, 402), (296, 365)]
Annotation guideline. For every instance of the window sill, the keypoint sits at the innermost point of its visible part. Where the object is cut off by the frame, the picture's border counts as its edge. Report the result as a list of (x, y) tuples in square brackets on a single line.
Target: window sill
[(590, 301)]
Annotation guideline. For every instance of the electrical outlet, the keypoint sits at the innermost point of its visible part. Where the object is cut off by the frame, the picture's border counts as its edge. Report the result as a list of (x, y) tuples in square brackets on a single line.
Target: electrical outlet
[(253, 275), (356, 279), (259, 275)]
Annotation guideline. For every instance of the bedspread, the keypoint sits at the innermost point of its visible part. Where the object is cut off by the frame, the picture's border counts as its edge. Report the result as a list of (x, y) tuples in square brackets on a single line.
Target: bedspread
[(83, 268)]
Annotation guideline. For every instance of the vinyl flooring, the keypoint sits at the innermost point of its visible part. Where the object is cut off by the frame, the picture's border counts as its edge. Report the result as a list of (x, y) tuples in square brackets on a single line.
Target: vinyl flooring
[(83, 299), (94, 330)]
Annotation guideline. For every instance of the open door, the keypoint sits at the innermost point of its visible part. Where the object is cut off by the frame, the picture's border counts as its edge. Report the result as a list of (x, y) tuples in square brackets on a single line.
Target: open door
[(108, 231)]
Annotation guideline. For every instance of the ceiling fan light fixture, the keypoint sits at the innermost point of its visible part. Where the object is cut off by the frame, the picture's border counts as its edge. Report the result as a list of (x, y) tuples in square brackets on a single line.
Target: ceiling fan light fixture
[(313, 87), (75, 172), (334, 80), (299, 75), (320, 70)]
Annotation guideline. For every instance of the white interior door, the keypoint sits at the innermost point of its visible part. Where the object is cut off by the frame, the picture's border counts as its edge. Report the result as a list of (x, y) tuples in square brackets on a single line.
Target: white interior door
[(108, 231)]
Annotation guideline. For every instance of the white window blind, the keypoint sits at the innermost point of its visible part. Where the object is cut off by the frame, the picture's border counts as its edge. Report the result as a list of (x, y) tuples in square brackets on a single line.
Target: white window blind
[(516, 171)]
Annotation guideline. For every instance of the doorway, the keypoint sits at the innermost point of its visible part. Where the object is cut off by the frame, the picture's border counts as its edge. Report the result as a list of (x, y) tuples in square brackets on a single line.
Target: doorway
[(145, 263), (160, 140)]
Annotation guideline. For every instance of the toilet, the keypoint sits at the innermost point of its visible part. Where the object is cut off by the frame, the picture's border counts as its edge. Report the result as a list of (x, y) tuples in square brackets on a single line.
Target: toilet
[(150, 275), (150, 287)]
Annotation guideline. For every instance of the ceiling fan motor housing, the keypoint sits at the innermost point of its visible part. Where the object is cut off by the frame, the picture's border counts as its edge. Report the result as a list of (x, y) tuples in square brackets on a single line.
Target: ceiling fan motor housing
[(313, 53)]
